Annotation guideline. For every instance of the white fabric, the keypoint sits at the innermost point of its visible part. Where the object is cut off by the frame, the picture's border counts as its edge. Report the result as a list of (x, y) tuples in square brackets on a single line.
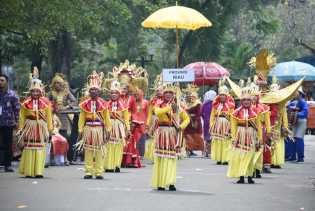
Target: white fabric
[(209, 96)]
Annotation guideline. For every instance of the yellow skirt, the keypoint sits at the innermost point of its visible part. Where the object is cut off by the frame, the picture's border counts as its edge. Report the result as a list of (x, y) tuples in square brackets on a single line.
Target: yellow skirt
[(259, 159), (277, 158), (241, 163), (32, 162), (113, 155), (164, 172), (220, 150), (149, 149)]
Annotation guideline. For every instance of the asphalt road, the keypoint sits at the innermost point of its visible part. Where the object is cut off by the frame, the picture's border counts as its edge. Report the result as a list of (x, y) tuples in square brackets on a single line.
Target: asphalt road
[(201, 185)]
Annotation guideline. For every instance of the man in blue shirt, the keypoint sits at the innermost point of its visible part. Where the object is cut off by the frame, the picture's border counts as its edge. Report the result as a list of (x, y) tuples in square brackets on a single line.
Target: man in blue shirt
[(301, 107), (9, 114)]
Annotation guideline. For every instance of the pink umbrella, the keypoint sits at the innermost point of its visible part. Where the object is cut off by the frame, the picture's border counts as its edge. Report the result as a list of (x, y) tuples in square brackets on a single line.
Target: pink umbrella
[(207, 73)]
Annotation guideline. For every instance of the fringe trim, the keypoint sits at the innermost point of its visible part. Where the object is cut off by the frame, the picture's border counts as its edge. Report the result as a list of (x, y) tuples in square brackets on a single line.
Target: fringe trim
[(221, 129), (34, 132), (246, 139)]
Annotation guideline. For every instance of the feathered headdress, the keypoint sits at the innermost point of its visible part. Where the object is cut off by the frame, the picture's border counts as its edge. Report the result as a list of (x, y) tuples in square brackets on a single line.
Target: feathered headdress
[(274, 84), (222, 87), (191, 90), (95, 80)]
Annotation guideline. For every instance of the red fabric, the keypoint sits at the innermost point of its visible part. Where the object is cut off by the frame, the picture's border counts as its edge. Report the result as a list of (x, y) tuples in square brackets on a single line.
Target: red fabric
[(100, 105), (156, 101), (194, 142), (43, 103), (229, 104), (60, 145), (194, 125), (267, 155), (239, 113), (131, 155), (273, 113), (127, 100), (139, 110)]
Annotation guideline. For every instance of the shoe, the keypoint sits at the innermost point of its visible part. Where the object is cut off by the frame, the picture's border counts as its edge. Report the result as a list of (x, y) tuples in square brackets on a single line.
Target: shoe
[(241, 180), (257, 174), (117, 170), (250, 180), (225, 163), (99, 177), (109, 170), (46, 166), (172, 188), (267, 170), (276, 166), (39, 176), (219, 163), (192, 153), (28, 177), (160, 189), (8, 169), (300, 161), (88, 177)]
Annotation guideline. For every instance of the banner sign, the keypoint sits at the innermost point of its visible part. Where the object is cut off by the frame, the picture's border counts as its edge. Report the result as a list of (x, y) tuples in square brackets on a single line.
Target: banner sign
[(178, 75)]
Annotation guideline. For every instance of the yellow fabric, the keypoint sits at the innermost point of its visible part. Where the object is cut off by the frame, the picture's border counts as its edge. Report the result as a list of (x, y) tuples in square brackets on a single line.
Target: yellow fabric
[(149, 149), (278, 153), (47, 113), (113, 157), (164, 172), (84, 115), (93, 162), (259, 159), (220, 150), (242, 162), (150, 115), (32, 162), (164, 113), (266, 119), (176, 17)]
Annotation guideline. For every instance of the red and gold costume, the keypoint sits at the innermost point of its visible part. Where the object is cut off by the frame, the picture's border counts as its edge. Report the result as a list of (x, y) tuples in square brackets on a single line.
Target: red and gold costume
[(93, 126), (139, 111), (167, 143), (119, 117), (220, 126), (246, 132), (35, 126)]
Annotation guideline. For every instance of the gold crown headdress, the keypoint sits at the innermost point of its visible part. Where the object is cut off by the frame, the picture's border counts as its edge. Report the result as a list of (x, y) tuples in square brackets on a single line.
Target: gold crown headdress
[(59, 78), (95, 80), (35, 82), (169, 87), (246, 93), (263, 62), (115, 86)]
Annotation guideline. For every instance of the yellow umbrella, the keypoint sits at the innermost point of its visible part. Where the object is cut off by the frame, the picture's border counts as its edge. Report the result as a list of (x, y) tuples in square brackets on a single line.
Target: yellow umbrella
[(176, 17)]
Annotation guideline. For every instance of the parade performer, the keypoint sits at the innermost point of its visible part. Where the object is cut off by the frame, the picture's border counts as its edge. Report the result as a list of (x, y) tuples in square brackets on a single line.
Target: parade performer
[(151, 122), (264, 155), (246, 132), (193, 132), (94, 126), (139, 112), (62, 99), (172, 120), (279, 128), (35, 127), (119, 117), (206, 113), (220, 127)]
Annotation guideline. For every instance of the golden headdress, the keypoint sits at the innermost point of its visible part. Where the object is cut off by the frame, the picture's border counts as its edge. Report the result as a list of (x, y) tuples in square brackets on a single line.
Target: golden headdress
[(254, 87), (170, 87), (115, 86), (223, 90), (263, 62), (130, 75), (35, 82), (59, 78), (246, 93), (95, 80)]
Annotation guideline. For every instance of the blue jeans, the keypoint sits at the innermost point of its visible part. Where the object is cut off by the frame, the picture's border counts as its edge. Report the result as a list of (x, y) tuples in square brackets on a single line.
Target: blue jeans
[(295, 149)]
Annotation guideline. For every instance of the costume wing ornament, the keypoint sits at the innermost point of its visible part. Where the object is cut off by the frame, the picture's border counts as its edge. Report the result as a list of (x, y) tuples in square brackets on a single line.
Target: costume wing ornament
[(271, 97), (236, 88)]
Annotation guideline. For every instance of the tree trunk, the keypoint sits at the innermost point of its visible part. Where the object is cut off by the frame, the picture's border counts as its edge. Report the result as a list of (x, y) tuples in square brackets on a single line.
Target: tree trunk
[(60, 56), (36, 57)]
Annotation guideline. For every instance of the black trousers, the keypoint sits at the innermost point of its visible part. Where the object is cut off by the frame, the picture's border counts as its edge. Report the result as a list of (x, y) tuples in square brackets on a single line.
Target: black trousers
[(6, 134)]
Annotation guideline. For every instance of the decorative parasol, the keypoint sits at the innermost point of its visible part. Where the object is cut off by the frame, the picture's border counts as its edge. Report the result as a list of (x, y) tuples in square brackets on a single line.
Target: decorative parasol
[(293, 71), (207, 73), (176, 17)]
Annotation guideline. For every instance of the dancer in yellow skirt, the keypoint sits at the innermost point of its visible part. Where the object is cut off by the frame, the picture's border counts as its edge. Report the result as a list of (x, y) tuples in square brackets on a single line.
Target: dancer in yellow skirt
[(222, 107), (94, 125), (119, 118), (246, 134), (279, 123), (168, 141), (35, 127)]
